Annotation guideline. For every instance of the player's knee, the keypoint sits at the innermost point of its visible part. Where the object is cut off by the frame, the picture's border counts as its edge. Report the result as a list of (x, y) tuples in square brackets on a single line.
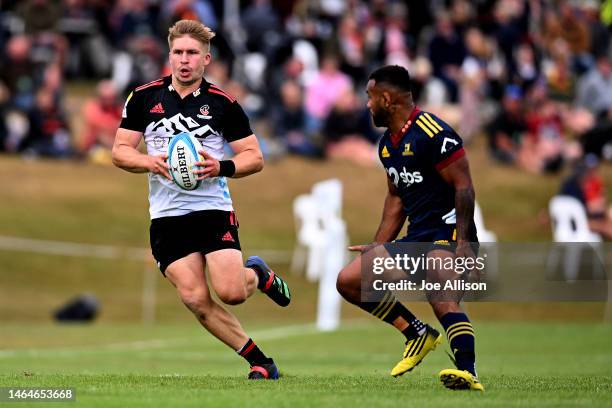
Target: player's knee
[(232, 296), (345, 284), (196, 303)]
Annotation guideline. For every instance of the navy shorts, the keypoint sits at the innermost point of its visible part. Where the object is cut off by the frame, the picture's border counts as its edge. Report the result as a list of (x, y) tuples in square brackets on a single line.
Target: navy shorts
[(443, 236), (206, 231)]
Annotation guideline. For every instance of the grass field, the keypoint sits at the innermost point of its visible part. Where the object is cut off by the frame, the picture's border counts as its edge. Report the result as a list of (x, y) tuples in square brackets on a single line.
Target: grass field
[(548, 354), (521, 364)]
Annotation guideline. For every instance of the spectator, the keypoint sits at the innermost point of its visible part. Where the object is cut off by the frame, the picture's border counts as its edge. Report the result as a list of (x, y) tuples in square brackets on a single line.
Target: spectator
[(49, 134), (19, 72), (351, 45), (323, 92), (289, 122), (348, 131), (587, 185), (101, 116), (543, 148), (594, 90), (558, 72), (262, 24), (506, 131), (446, 52)]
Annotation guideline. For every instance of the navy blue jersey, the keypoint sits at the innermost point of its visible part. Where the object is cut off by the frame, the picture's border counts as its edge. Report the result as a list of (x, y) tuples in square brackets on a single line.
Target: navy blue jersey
[(413, 161)]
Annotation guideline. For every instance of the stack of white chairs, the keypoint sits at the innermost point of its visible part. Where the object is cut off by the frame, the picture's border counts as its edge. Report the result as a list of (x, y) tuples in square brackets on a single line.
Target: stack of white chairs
[(321, 246), (488, 242), (571, 228)]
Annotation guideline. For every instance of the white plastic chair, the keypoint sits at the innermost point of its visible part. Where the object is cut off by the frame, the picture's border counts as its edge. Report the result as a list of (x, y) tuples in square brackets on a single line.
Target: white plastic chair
[(484, 235), (570, 226), (488, 242), (321, 245), (328, 194), (310, 238)]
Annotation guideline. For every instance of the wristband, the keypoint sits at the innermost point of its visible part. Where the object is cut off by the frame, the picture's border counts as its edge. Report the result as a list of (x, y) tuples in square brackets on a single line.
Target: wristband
[(227, 168)]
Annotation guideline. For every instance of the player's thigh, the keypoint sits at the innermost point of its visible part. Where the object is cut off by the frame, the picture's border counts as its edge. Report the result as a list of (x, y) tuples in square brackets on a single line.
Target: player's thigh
[(227, 273), (187, 275)]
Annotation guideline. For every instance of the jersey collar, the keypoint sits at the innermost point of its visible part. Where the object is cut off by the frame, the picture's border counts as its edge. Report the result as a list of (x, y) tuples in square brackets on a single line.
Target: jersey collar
[(203, 86), (397, 137)]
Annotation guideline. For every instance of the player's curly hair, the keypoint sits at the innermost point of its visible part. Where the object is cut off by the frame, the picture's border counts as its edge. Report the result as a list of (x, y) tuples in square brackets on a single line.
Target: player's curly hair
[(192, 28), (393, 75)]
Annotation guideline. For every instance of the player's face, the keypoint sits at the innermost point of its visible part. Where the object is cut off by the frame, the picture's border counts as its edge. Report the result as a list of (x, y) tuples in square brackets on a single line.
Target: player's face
[(376, 105), (188, 58)]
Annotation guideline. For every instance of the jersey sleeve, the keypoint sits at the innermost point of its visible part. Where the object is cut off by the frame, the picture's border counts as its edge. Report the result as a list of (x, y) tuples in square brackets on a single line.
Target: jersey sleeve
[(445, 148), (236, 123), (133, 118), (442, 144)]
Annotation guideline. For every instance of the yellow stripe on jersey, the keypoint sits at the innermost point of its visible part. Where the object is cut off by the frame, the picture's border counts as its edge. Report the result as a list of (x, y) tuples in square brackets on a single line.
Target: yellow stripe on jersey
[(429, 124), (436, 124), (424, 127)]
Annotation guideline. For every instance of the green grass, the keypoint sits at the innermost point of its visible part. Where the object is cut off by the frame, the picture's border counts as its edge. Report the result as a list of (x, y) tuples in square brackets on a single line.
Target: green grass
[(543, 364), (116, 363)]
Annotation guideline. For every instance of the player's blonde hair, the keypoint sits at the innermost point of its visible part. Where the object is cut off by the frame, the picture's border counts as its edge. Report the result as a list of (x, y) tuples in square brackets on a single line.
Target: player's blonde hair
[(192, 28)]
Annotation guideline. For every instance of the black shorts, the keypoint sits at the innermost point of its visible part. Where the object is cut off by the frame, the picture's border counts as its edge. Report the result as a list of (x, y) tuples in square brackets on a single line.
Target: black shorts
[(173, 238)]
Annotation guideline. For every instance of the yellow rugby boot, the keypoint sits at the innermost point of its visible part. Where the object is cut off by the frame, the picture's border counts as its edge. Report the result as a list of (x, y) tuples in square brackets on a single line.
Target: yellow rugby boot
[(460, 380), (416, 350)]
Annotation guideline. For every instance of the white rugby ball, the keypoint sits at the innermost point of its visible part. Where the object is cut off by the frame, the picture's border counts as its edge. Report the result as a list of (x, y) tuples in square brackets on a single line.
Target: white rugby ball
[(182, 156)]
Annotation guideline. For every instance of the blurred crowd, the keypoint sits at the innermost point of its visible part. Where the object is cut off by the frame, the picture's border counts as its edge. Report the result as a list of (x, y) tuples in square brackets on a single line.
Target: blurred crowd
[(533, 77)]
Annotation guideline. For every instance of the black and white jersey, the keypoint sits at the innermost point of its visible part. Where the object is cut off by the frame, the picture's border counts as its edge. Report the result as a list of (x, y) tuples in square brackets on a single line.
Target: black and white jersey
[(209, 114)]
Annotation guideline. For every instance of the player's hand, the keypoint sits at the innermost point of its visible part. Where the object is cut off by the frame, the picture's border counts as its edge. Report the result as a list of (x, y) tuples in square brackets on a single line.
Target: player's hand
[(159, 165), (464, 250), (209, 167), (363, 248)]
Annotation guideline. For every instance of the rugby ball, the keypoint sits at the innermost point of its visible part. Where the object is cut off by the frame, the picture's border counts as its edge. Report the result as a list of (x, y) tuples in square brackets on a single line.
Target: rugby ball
[(182, 156)]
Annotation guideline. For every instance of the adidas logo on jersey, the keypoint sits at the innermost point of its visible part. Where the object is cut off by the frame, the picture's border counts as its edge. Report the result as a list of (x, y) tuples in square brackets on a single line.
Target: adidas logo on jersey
[(228, 237), (158, 109)]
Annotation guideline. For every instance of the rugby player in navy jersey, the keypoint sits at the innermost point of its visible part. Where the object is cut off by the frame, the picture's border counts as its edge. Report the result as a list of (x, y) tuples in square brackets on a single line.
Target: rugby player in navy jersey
[(192, 230), (429, 184)]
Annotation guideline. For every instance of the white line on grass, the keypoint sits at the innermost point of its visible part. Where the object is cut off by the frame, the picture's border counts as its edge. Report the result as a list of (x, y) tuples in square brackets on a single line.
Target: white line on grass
[(78, 249), (140, 345)]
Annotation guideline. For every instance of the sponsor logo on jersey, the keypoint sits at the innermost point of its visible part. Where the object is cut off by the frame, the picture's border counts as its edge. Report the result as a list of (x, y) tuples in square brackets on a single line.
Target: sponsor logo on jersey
[(407, 151), (178, 123), (196, 93), (385, 152), (442, 242), (204, 112), (408, 177)]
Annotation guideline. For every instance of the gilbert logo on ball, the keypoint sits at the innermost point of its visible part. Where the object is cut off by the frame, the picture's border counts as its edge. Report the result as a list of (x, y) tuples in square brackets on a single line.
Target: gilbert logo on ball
[(182, 156)]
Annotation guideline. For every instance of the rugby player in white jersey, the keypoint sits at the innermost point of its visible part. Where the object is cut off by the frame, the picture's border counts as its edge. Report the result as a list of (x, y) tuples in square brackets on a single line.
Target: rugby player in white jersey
[(192, 230)]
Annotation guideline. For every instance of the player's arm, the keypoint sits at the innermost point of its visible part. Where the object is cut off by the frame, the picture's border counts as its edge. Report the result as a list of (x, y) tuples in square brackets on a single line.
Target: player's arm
[(457, 174), (247, 160), (393, 218), (127, 157)]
